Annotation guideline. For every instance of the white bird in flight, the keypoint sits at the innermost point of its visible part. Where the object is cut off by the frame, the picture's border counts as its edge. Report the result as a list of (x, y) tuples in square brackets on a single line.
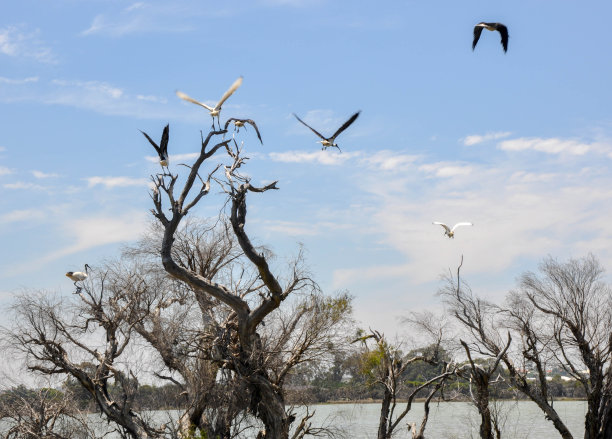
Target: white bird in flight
[(451, 232), (213, 111)]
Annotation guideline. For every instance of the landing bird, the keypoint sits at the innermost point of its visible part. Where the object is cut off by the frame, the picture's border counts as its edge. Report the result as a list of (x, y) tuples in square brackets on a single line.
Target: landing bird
[(451, 232), (213, 111), (238, 123), (329, 141), (162, 149), (503, 31), (78, 276)]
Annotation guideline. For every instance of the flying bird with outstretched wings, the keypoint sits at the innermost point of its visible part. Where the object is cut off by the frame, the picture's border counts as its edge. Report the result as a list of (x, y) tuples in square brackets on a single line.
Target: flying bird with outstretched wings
[(451, 232), (216, 110), (162, 148), (238, 123), (503, 31), (328, 142)]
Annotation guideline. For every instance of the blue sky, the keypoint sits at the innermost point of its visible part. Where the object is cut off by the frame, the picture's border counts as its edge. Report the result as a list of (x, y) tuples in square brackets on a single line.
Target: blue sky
[(518, 143)]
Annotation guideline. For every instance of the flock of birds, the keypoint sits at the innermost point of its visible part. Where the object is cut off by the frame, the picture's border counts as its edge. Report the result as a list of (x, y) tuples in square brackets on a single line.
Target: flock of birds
[(326, 142)]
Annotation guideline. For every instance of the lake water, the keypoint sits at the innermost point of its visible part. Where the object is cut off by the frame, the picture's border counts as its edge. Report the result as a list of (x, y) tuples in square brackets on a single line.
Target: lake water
[(455, 420), (448, 420)]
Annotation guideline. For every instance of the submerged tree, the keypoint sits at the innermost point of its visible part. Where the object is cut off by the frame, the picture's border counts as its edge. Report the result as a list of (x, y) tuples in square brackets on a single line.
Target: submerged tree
[(384, 365), (562, 317)]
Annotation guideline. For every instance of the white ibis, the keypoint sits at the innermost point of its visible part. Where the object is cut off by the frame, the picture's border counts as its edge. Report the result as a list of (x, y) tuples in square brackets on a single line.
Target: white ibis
[(78, 276), (238, 123), (162, 148), (451, 232), (503, 31), (328, 142), (216, 110)]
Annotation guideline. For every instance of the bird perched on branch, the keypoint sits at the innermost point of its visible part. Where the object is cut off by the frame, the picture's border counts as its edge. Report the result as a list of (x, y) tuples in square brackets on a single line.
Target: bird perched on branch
[(451, 232), (239, 123), (162, 148), (503, 31), (216, 110), (328, 142), (78, 276)]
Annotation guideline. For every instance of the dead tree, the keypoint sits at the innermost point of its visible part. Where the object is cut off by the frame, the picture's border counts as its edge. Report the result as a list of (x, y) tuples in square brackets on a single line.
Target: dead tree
[(86, 342), (485, 323), (479, 377), (577, 305), (44, 413), (385, 364), (242, 351)]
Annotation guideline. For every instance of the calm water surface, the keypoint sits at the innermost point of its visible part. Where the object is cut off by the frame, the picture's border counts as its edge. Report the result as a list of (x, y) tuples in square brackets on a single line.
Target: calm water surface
[(448, 420)]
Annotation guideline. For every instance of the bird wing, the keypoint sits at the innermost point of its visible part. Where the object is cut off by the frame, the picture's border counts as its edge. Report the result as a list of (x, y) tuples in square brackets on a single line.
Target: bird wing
[(460, 224), (503, 30), (152, 143), (443, 225), (346, 124), (163, 145), (249, 121), (229, 92), (313, 130), (183, 96), (477, 32)]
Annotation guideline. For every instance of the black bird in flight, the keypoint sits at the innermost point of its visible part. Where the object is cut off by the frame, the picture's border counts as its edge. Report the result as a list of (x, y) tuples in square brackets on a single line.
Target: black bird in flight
[(162, 149), (503, 31), (238, 123), (328, 142)]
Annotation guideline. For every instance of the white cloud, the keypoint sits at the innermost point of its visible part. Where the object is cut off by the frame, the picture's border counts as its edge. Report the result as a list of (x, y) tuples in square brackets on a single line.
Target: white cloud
[(24, 185), (13, 81), (552, 146), (327, 157), (294, 228), (141, 17), (22, 215), (112, 182), (40, 174), (175, 157), (446, 169), (17, 42), (89, 232), (386, 160), (3, 169), (477, 138)]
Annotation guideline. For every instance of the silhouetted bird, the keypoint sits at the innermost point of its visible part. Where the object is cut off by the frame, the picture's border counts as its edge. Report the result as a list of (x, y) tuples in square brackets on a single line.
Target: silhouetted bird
[(162, 148), (503, 31), (329, 141), (238, 123)]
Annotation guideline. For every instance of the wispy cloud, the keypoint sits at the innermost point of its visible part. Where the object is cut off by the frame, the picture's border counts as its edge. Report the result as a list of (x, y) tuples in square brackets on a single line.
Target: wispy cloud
[(478, 138), (22, 215), (294, 228), (141, 17), (18, 42), (175, 157), (552, 146), (322, 157), (446, 169), (113, 182), (86, 233), (24, 185), (14, 81), (3, 169), (389, 160), (42, 175)]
